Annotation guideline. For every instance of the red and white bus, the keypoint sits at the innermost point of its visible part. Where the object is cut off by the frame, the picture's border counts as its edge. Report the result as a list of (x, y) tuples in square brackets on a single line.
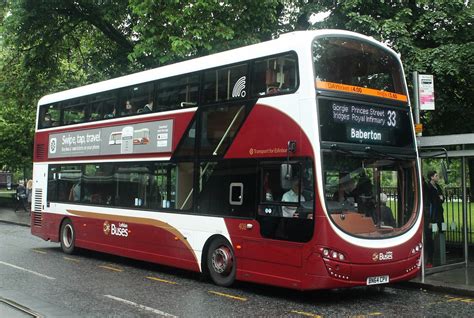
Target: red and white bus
[(290, 163)]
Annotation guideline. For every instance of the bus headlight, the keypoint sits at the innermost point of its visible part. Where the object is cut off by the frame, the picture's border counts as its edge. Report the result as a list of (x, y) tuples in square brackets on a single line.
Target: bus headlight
[(332, 254), (418, 247)]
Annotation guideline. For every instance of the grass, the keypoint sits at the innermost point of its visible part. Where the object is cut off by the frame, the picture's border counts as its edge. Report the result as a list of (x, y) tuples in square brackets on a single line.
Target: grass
[(453, 217), (5, 193)]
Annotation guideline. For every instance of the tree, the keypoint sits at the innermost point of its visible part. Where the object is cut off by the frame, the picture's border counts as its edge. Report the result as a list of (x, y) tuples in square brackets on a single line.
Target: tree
[(48, 46), (168, 31)]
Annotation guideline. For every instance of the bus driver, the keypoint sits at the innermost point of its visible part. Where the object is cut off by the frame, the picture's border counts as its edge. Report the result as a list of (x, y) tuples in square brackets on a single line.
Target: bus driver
[(292, 196)]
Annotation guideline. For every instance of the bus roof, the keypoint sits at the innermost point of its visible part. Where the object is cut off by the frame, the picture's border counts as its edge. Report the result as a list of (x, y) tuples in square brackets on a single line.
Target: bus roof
[(299, 39)]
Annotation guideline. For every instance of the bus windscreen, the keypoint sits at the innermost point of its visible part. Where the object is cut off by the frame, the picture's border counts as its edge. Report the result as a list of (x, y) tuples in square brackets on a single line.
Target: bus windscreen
[(355, 66)]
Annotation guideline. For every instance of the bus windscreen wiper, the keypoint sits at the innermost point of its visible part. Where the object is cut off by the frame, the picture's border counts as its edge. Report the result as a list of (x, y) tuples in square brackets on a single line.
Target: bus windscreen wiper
[(337, 148), (369, 149)]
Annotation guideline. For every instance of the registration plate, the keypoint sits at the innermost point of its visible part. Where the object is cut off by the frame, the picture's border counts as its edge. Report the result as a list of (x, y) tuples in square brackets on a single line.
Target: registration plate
[(375, 280)]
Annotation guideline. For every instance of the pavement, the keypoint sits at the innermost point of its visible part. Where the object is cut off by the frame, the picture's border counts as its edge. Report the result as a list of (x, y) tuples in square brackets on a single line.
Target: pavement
[(458, 281)]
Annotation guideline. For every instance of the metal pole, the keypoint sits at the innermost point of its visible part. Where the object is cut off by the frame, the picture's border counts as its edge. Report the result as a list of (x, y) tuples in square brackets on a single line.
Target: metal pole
[(416, 110), (420, 164), (464, 209), (416, 104)]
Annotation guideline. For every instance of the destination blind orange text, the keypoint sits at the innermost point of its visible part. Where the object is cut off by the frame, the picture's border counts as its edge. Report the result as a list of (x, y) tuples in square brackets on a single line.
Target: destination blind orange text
[(360, 90)]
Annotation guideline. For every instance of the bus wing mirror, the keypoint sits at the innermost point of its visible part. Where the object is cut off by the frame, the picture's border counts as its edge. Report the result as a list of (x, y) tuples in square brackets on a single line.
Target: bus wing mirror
[(444, 172), (286, 175)]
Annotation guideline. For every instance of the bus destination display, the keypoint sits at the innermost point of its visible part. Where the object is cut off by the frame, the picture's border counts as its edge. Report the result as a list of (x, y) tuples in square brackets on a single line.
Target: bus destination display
[(361, 114), (363, 123)]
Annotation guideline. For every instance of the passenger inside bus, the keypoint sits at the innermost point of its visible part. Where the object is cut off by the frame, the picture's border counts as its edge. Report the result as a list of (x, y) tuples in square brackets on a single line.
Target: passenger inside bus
[(112, 114), (267, 190), (364, 195), (47, 121), (344, 198), (128, 109), (148, 108), (345, 191), (75, 193), (386, 215), (292, 196)]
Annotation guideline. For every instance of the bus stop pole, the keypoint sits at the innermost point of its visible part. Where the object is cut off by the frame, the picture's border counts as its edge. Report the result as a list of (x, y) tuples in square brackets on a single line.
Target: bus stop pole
[(416, 101), (464, 209), (416, 111)]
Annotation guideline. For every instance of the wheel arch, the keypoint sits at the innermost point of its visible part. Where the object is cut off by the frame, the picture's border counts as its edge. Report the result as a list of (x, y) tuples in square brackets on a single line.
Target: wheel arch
[(64, 219)]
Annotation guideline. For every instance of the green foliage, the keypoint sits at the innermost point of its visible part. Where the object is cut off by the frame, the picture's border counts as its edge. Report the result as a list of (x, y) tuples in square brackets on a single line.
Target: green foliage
[(168, 31), (16, 131)]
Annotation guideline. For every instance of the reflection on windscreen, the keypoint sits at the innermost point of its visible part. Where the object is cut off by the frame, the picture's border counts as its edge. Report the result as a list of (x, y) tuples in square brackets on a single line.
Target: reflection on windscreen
[(359, 63), (370, 197)]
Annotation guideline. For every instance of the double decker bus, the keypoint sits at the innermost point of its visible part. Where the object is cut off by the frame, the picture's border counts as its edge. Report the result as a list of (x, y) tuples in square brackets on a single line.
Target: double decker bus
[(291, 163)]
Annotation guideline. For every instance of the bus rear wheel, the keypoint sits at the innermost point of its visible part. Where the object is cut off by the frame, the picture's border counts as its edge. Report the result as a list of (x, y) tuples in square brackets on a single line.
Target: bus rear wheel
[(221, 262), (67, 237)]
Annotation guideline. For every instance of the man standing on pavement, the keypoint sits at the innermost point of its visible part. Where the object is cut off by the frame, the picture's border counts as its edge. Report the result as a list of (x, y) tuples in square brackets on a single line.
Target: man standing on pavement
[(21, 196)]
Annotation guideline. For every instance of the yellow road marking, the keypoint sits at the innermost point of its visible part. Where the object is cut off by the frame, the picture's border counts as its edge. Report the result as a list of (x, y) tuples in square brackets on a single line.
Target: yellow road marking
[(71, 259), (39, 252), (307, 314), (454, 299), (228, 296), (464, 300), (111, 268), (368, 315), (162, 280)]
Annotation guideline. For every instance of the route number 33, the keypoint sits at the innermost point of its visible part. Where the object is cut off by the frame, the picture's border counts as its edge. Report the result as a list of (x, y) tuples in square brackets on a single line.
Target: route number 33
[(392, 118)]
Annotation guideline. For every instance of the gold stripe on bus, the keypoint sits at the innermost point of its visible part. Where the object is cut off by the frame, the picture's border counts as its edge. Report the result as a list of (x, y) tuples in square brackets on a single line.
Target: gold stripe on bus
[(360, 90), (137, 220)]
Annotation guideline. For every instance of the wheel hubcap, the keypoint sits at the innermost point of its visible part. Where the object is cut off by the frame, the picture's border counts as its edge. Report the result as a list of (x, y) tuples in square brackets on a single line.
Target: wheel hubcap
[(222, 260), (68, 234)]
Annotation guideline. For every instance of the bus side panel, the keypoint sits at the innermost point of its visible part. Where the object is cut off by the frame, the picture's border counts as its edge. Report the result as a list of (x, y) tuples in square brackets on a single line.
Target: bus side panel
[(147, 241), (266, 133), (46, 225), (262, 260), (180, 123)]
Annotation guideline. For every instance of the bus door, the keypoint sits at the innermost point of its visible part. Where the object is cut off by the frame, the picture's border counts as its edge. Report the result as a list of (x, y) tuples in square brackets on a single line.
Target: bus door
[(284, 219)]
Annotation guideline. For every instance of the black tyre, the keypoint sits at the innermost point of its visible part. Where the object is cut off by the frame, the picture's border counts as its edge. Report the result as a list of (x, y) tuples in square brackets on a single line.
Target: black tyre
[(67, 237), (221, 262)]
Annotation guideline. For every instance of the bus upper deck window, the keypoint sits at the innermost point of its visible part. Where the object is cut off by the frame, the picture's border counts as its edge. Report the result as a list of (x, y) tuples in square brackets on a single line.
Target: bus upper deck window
[(49, 116), (275, 75)]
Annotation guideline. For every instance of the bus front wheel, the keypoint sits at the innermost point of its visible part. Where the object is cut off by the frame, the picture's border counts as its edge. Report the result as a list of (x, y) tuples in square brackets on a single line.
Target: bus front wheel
[(221, 262), (67, 237)]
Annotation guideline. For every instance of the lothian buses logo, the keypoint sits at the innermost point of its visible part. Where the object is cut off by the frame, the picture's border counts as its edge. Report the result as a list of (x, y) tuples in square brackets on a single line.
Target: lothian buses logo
[(120, 229), (53, 145), (388, 255), (106, 228)]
